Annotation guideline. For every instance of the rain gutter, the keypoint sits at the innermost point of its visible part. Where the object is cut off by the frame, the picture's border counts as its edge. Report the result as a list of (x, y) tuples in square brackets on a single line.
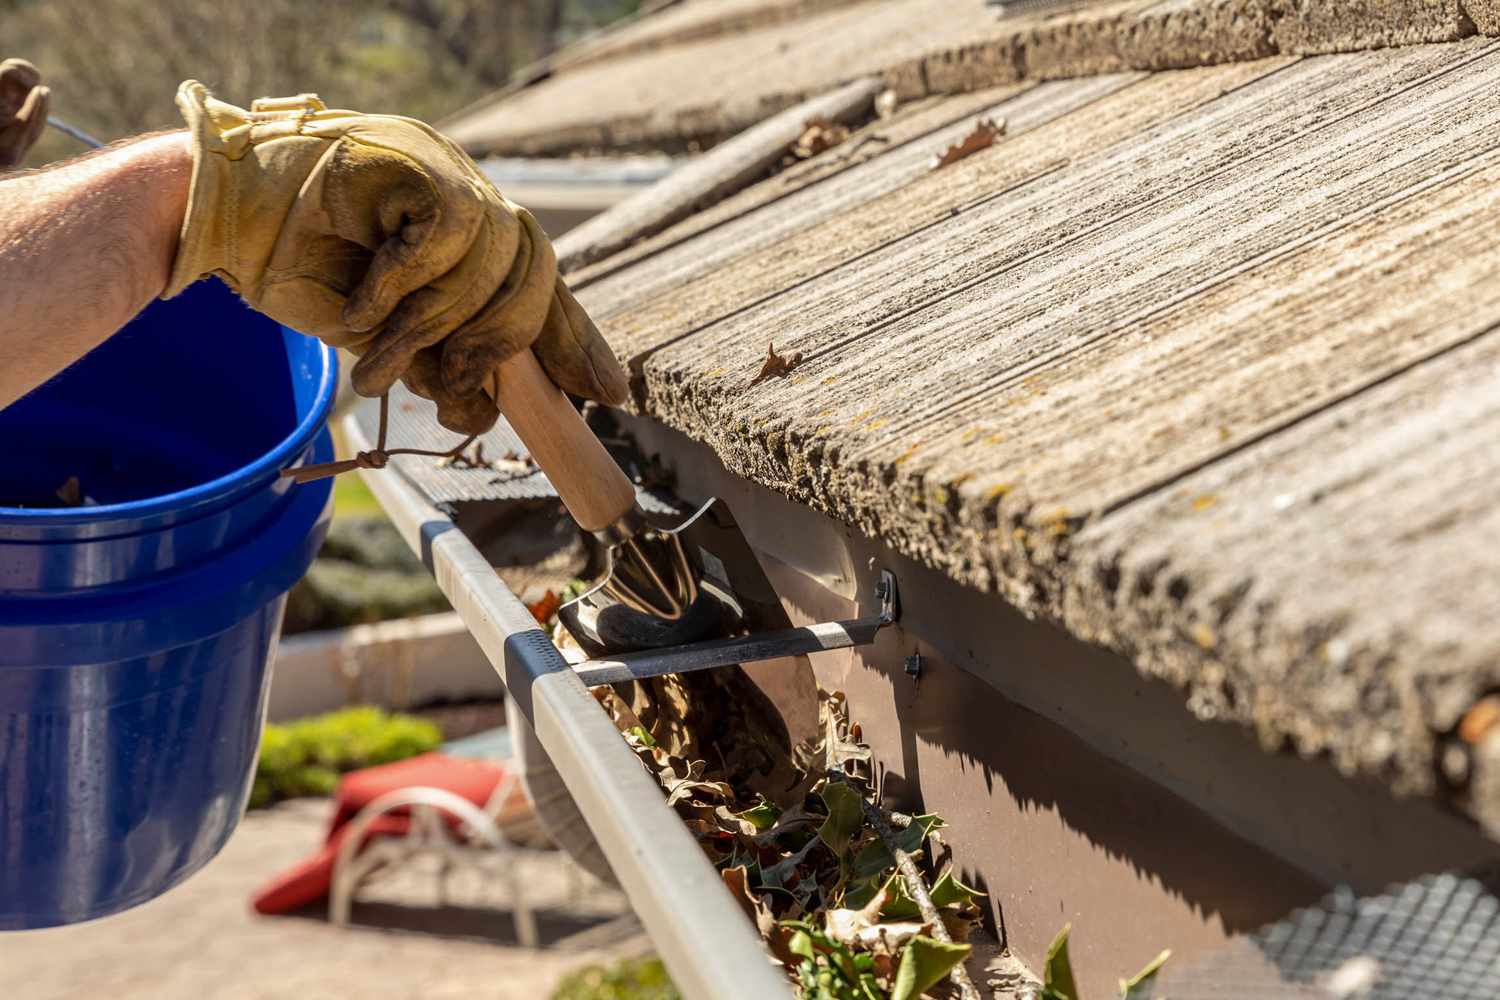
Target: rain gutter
[(700, 931)]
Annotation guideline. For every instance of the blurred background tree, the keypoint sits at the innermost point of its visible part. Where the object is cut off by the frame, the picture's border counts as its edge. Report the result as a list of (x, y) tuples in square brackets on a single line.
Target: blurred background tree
[(114, 65)]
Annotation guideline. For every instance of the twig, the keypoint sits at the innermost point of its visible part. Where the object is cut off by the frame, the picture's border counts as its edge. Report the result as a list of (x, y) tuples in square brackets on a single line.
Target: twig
[(917, 887)]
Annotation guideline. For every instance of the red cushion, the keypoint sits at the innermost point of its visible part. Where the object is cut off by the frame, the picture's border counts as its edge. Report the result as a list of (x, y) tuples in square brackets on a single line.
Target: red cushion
[(309, 881), (474, 780)]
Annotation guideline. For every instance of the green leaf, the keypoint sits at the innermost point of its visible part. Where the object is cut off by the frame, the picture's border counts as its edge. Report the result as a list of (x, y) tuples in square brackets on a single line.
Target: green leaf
[(846, 815), (874, 859), (801, 944), (1135, 982), (947, 891), (1057, 974), (762, 817), (842, 959), (639, 732), (924, 963), (776, 876)]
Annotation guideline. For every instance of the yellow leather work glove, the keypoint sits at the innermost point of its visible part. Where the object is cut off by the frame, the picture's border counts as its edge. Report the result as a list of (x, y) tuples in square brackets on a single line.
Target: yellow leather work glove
[(23, 110), (377, 234)]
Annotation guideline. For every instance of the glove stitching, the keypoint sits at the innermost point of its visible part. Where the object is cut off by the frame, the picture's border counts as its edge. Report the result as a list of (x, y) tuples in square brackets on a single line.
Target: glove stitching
[(233, 236)]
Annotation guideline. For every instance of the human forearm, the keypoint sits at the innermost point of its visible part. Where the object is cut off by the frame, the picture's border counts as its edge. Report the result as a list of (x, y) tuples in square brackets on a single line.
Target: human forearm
[(83, 248)]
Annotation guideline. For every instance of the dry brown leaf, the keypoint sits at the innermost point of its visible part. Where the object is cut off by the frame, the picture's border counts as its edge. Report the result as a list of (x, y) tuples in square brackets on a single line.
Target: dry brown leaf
[(818, 135), (845, 925), (462, 461), (543, 610), (70, 493), (777, 365), (986, 131)]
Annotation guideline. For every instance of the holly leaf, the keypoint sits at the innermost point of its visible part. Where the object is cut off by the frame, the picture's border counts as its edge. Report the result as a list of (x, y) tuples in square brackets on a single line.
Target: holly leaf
[(946, 891), (1129, 987), (776, 875), (801, 944), (762, 816), (639, 734), (859, 894), (874, 859), (924, 964), (846, 815), (1057, 973)]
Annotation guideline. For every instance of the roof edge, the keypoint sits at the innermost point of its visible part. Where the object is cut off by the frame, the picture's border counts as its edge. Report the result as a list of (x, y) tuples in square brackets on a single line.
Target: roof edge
[(1125, 36)]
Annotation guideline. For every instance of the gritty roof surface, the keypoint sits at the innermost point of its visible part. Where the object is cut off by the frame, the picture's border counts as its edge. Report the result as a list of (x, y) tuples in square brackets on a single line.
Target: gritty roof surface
[(697, 72), (1202, 364)]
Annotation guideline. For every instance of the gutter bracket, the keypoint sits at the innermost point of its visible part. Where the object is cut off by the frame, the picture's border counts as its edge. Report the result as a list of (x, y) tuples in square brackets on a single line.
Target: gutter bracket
[(771, 645)]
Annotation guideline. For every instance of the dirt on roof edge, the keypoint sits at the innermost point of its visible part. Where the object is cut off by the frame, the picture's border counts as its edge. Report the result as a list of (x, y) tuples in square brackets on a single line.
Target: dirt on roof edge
[(1107, 38)]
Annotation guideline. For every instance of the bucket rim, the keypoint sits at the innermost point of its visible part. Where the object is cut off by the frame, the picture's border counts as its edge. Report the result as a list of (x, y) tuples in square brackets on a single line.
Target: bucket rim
[(215, 490)]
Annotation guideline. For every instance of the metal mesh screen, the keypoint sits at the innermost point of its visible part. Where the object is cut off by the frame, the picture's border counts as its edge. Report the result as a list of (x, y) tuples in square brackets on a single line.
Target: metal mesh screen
[(1437, 938), (413, 424)]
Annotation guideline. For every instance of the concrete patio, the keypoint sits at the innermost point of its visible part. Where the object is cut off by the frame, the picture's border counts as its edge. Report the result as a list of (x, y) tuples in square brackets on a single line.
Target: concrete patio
[(202, 940)]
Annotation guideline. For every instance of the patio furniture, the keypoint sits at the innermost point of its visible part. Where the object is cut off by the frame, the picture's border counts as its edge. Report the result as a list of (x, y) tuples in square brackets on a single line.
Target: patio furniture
[(439, 823), (463, 811)]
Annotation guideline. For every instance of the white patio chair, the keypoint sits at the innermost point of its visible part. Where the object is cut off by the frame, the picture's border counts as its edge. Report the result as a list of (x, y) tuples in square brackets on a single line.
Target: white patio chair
[(477, 840)]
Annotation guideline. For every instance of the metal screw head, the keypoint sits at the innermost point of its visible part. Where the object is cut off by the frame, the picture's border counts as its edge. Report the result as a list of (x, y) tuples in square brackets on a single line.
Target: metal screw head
[(914, 665)]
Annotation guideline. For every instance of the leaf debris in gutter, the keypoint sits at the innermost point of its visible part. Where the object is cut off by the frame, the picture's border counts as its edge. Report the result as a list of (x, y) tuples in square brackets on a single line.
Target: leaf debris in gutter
[(822, 878), (830, 879)]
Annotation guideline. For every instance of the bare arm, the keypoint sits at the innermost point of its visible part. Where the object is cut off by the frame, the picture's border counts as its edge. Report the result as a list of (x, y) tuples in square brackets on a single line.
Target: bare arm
[(84, 247)]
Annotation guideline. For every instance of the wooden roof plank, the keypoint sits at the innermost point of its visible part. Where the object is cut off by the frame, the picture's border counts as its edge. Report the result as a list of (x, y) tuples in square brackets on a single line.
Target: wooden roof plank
[(1135, 147), (912, 122), (1120, 334), (663, 276), (1322, 584), (716, 86), (729, 168), (1072, 282)]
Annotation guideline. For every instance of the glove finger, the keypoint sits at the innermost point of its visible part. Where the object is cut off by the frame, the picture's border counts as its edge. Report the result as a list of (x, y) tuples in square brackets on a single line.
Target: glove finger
[(17, 79), (473, 413), (512, 318), (427, 232), (19, 132), (411, 328), (576, 356), (429, 315), (34, 114), (464, 414)]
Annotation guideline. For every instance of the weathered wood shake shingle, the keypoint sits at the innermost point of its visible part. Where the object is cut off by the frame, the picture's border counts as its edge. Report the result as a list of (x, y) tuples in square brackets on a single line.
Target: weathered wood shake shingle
[(1200, 364)]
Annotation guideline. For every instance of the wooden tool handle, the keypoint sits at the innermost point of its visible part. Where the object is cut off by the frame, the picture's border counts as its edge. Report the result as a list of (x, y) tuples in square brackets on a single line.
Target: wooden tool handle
[(592, 486)]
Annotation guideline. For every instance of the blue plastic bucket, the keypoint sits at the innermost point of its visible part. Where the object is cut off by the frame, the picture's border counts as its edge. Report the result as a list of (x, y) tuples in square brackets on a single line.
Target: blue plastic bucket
[(136, 634)]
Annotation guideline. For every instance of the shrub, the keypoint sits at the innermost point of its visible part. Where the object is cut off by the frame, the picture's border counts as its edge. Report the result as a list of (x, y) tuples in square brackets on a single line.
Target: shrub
[(633, 979), (307, 756)]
